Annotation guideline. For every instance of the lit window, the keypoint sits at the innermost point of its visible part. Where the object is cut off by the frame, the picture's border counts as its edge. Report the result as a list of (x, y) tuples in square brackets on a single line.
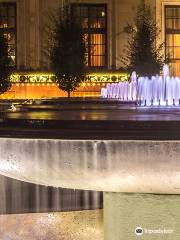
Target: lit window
[(94, 22), (172, 31), (8, 27)]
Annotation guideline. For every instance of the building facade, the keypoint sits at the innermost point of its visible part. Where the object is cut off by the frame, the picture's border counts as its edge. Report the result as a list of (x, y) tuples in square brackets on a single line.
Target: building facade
[(24, 22)]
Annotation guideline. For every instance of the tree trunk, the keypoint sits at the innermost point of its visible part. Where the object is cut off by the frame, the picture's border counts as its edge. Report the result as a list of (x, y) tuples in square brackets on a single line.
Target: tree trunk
[(69, 94)]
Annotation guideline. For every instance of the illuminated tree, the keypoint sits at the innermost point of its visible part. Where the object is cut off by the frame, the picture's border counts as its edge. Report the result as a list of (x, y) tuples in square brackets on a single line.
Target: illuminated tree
[(143, 54), (67, 51), (5, 69)]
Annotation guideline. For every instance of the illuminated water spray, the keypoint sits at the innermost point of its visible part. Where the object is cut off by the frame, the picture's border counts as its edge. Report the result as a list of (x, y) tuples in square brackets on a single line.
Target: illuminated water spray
[(155, 91)]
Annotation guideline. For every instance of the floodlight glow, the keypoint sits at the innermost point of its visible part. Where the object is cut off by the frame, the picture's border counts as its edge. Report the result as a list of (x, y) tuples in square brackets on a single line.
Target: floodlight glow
[(43, 77)]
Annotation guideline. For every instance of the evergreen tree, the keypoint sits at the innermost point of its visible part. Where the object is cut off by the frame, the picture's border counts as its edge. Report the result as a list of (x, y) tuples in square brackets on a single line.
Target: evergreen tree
[(67, 51), (142, 53), (5, 69)]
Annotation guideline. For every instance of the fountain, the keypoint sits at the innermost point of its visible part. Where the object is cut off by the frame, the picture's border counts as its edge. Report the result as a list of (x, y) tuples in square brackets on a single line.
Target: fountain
[(125, 91), (140, 179), (13, 108), (155, 91)]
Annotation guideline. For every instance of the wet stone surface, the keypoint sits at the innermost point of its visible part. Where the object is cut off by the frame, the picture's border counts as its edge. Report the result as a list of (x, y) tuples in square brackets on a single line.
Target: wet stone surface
[(90, 119)]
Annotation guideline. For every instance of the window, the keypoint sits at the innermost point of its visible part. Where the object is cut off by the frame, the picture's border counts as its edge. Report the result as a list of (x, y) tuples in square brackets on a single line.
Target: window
[(172, 31), (8, 27), (94, 22)]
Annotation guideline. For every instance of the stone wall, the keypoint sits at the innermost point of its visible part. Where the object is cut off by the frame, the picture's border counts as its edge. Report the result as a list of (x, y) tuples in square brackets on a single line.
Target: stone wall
[(157, 216)]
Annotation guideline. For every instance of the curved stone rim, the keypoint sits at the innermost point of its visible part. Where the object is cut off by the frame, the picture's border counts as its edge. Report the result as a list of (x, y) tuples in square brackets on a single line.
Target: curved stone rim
[(99, 165)]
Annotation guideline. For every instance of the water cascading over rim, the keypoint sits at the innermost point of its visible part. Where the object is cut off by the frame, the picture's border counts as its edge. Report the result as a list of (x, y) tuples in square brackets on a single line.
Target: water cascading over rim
[(102, 165)]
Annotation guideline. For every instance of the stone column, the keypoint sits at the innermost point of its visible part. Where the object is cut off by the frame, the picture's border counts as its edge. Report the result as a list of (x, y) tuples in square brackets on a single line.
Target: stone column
[(21, 34), (113, 29), (129, 216), (28, 34), (34, 47)]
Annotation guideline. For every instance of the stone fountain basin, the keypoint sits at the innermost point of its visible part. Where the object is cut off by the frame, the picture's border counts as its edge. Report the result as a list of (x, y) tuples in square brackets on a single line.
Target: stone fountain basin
[(112, 166)]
